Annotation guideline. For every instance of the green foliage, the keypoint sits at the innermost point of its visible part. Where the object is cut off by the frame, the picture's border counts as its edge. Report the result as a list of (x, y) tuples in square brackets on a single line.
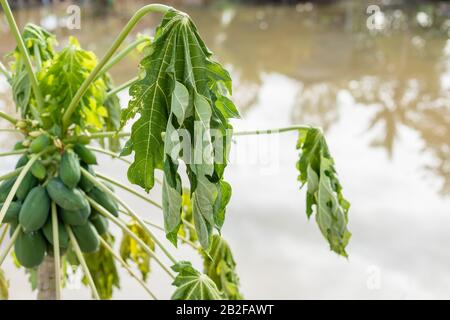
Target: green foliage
[(4, 286), (130, 249), (220, 266), (182, 89), (324, 191), (39, 43), (103, 269), (193, 285), (60, 80)]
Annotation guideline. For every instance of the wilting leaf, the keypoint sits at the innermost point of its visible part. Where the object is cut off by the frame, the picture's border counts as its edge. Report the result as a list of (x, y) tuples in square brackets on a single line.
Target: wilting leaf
[(324, 191), (182, 90), (102, 266), (187, 230), (39, 43), (131, 250), (220, 267), (4, 285), (192, 285)]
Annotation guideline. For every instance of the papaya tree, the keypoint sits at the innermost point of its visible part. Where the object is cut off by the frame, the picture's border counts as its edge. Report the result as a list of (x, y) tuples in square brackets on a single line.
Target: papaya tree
[(57, 206)]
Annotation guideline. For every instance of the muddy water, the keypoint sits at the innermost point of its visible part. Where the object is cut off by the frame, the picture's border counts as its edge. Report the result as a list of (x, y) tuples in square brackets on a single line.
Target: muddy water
[(382, 97)]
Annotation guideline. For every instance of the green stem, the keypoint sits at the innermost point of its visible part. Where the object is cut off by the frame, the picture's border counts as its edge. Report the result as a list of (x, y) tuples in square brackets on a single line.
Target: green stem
[(5, 72), (4, 232), (109, 153), (121, 87), (7, 117), (56, 252), (130, 190), (122, 36), (122, 54), (11, 174), (122, 226), (12, 153), (105, 189), (16, 185), (9, 245), (108, 134), (127, 267), (23, 50), (82, 261), (154, 225), (271, 131), (10, 130)]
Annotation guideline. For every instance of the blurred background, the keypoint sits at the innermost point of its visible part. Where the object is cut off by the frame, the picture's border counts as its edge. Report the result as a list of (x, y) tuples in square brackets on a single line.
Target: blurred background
[(375, 75)]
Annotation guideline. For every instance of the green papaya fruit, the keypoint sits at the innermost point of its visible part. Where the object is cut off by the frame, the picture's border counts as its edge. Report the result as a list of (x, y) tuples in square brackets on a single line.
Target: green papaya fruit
[(5, 188), (87, 237), (39, 144), (85, 183), (105, 201), (23, 160), (12, 214), (100, 223), (19, 146), (28, 183), (12, 228), (38, 170), (75, 218), (69, 199), (30, 249), (85, 154), (35, 209), (47, 230), (69, 171)]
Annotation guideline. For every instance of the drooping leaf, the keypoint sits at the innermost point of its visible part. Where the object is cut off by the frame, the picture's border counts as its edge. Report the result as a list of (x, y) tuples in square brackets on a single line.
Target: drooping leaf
[(324, 191), (61, 80), (102, 266), (193, 285), (39, 43), (184, 104), (131, 250), (220, 266), (4, 286), (187, 230)]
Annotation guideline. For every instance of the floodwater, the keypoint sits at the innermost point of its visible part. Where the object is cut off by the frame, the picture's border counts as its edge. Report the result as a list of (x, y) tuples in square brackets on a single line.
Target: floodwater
[(378, 85)]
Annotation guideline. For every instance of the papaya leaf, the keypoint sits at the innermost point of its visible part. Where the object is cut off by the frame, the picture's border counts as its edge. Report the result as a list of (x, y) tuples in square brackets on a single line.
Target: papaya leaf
[(187, 231), (102, 266), (193, 285), (220, 266), (60, 81), (39, 43), (324, 191), (182, 90), (131, 250), (4, 286)]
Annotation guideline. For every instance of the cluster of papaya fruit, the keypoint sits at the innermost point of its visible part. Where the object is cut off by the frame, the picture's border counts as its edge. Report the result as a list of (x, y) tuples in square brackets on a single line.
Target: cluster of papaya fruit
[(55, 177)]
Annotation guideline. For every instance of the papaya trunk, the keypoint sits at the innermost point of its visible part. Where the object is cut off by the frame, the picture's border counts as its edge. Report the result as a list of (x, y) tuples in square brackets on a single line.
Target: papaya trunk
[(46, 279)]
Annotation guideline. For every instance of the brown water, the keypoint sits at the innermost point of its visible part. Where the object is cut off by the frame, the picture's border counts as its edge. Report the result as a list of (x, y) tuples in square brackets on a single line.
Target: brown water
[(382, 98)]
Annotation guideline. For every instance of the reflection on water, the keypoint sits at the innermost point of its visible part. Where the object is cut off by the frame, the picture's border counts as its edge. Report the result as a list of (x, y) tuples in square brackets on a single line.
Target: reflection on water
[(388, 88)]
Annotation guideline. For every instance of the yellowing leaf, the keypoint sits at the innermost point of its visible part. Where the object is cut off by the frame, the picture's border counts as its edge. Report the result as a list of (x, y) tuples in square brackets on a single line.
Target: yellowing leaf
[(131, 250), (4, 285), (324, 191)]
